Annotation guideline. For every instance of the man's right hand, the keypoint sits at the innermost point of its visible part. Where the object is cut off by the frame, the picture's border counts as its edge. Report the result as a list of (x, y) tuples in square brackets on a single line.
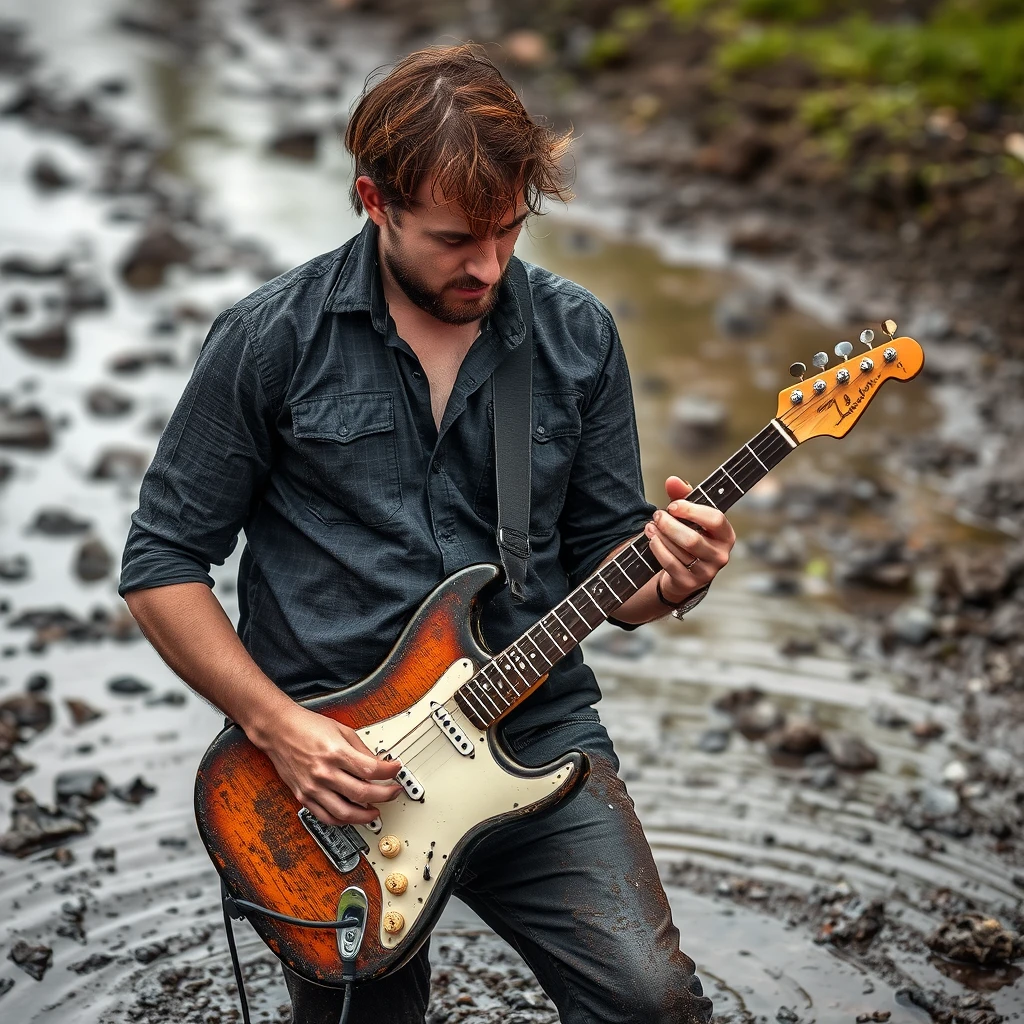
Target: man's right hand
[(328, 767)]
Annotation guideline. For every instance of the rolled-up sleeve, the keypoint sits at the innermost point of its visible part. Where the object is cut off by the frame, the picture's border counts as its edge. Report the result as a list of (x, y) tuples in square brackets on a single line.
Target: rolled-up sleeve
[(605, 501), (212, 461)]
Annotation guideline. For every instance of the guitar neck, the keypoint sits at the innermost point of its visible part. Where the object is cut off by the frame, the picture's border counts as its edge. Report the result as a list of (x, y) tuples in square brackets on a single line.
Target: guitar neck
[(507, 679)]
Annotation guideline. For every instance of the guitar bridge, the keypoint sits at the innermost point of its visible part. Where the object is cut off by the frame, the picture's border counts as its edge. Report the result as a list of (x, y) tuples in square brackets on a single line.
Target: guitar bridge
[(341, 843)]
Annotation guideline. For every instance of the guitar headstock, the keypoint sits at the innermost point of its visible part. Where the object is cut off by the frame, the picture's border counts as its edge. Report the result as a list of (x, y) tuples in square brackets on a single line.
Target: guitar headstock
[(830, 401)]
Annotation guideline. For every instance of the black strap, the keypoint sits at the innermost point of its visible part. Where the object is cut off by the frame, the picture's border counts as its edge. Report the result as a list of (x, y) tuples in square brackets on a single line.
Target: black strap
[(511, 390)]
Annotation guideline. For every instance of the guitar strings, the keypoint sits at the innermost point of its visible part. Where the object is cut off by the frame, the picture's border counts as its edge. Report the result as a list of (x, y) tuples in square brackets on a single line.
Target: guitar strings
[(748, 456)]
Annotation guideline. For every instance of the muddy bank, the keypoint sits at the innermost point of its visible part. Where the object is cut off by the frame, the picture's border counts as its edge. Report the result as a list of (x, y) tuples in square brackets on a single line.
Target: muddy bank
[(827, 759)]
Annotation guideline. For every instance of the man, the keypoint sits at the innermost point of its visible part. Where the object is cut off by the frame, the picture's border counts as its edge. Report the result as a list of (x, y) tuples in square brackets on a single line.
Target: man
[(339, 415)]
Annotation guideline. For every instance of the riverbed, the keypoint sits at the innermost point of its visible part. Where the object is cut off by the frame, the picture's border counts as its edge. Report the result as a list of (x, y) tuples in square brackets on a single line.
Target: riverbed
[(748, 836)]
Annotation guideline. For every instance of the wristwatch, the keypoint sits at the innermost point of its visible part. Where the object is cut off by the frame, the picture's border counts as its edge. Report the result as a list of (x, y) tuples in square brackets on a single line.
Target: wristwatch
[(684, 607)]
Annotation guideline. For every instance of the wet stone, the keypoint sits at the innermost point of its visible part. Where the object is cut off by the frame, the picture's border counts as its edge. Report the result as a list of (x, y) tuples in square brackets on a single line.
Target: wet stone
[(39, 682), (55, 522), (95, 962), (14, 568), (34, 827), (172, 698), (787, 1016), (93, 561), (83, 292), (72, 924), (128, 686), (134, 792), (296, 143), (912, 624), (146, 264), (90, 786), (124, 464), (12, 767), (35, 961), (26, 428), (108, 403), (713, 741), (27, 711), (850, 752), (6, 984), (135, 362), (799, 736), (975, 938), (80, 711), (51, 342), (47, 175)]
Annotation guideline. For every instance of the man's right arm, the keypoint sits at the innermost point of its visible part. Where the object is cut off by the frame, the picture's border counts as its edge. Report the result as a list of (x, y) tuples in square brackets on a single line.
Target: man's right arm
[(214, 456)]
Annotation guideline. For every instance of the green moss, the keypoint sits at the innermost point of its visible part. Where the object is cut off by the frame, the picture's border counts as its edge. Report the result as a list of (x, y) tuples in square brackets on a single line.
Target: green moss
[(781, 10), (756, 48)]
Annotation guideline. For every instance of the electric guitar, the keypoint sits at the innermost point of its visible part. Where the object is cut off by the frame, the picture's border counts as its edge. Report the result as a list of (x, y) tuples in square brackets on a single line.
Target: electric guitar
[(351, 903)]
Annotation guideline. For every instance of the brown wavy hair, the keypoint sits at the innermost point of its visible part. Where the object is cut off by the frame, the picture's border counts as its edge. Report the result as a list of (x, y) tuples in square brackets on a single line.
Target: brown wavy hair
[(446, 112)]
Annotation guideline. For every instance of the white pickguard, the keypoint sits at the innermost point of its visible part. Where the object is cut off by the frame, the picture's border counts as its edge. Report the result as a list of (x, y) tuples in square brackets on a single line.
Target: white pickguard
[(459, 793)]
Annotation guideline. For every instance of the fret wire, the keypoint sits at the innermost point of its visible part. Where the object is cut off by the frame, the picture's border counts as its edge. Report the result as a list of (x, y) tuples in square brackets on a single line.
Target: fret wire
[(567, 610), (593, 601), (512, 664), (752, 452), (558, 646), (581, 615), (729, 475), (499, 687), (538, 649), (625, 572), (554, 615), (706, 497), (519, 655), (484, 693), (640, 555), (468, 692), (609, 586)]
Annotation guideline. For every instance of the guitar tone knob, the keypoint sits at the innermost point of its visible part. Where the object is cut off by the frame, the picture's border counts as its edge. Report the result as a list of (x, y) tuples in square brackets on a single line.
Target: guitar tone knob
[(867, 364), (393, 922), (796, 397), (396, 883), (889, 354), (843, 377), (819, 386), (389, 846)]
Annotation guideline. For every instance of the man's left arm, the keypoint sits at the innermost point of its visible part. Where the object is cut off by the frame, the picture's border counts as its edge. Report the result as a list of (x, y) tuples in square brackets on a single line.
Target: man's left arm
[(605, 506)]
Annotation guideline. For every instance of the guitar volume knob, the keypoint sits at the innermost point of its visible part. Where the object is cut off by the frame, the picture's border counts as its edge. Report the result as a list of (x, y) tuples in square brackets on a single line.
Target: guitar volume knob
[(389, 846), (396, 883), (393, 922)]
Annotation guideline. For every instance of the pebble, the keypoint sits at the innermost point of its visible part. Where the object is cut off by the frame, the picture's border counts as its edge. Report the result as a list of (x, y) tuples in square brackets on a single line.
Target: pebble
[(134, 792), (50, 342), (14, 568), (6, 984), (90, 786), (938, 801), (799, 736), (135, 362), (713, 741), (975, 938), (26, 428), (93, 561), (850, 752), (119, 463), (34, 827), (296, 143), (107, 403), (146, 264), (741, 313), (128, 686), (954, 773), (912, 624), (35, 961), (787, 1016), (56, 522)]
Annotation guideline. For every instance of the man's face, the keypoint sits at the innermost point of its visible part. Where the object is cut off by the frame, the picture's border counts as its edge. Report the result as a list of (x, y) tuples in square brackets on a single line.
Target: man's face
[(441, 267)]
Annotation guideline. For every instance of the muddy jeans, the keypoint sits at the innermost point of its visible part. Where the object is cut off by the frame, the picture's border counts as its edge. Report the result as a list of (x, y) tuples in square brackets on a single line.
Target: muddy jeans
[(575, 892)]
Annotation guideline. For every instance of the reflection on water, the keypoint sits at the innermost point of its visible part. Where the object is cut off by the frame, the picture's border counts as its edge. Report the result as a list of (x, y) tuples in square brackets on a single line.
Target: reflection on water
[(729, 816)]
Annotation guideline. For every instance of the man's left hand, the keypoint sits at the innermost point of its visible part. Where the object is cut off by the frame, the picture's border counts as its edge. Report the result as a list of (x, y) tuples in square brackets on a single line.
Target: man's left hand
[(691, 559)]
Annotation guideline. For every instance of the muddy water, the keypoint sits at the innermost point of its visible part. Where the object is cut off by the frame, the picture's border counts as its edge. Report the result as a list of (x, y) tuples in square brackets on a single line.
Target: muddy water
[(723, 816)]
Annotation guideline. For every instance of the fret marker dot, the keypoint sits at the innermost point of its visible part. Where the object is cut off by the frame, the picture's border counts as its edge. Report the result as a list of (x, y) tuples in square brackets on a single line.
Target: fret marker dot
[(721, 490)]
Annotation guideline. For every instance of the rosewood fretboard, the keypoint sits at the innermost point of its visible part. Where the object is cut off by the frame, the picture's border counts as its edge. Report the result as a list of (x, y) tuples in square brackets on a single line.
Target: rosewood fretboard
[(511, 675)]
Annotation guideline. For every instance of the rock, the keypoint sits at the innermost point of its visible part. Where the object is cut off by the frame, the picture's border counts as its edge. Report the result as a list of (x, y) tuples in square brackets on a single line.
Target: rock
[(12, 767), (134, 792), (88, 785), (954, 773), (6, 984), (999, 763), (621, 644), (823, 777), (34, 827), (53, 624), (927, 730), (39, 682), (35, 961), (135, 362), (117, 463), (758, 718), (14, 568), (95, 962), (170, 698), (50, 342), (82, 293), (856, 922), (34, 267), (146, 264), (47, 175), (55, 522), (977, 939), (128, 686), (887, 717), (150, 952), (105, 857), (1006, 623), (107, 403), (697, 422), (850, 752), (938, 801), (713, 741), (758, 235), (26, 428), (81, 712), (27, 711), (798, 646), (741, 313), (787, 1016), (93, 561), (72, 925), (912, 624), (296, 143), (799, 736)]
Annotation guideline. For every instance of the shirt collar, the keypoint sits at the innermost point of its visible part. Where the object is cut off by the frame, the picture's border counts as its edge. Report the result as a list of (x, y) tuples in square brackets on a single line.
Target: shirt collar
[(359, 289)]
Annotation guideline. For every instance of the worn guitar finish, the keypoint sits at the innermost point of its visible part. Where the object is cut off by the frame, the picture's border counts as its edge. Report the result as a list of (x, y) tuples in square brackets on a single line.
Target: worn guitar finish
[(433, 705)]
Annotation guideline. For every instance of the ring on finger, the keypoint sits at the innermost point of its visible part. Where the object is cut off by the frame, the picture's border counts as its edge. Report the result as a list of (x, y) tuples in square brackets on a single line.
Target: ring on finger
[(690, 565)]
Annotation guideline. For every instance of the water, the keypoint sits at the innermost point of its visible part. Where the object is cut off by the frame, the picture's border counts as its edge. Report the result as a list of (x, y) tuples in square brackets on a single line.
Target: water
[(711, 818)]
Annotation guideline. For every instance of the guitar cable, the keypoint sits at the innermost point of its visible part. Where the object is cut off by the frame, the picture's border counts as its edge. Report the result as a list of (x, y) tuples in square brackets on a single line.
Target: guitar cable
[(236, 908)]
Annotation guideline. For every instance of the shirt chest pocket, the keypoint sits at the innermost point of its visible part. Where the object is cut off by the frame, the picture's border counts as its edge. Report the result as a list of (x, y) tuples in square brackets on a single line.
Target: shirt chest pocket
[(554, 440), (350, 452)]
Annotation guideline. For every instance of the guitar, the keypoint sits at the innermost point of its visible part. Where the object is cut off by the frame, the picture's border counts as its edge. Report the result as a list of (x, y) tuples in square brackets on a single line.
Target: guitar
[(433, 704)]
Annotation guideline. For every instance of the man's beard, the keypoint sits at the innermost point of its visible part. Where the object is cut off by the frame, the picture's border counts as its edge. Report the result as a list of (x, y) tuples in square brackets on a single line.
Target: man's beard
[(448, 311)]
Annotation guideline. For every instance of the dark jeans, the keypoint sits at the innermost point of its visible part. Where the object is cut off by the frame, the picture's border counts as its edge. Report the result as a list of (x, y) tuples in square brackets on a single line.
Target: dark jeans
[(575, 892)]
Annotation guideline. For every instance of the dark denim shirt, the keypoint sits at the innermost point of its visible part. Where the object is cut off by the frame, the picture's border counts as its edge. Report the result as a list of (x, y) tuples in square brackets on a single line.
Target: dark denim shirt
[(307, 424)]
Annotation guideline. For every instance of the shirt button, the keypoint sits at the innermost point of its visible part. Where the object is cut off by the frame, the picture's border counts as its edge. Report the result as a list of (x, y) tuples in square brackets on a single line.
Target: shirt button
[(417, 375), (541, 430), (436, 466)]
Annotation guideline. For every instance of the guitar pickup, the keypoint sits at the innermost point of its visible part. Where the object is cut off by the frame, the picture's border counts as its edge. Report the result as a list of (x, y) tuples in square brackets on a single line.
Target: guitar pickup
[(452, 732), (341, 843), (409, 783)]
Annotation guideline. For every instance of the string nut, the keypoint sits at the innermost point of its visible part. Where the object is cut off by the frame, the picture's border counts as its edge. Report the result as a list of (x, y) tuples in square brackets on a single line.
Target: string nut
[(389, 846)]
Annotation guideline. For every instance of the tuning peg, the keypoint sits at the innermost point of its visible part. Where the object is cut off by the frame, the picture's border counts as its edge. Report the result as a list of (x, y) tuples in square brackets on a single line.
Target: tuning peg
[(797, 370), (867, 337), (820, 360), (889, 326), (843, 349)]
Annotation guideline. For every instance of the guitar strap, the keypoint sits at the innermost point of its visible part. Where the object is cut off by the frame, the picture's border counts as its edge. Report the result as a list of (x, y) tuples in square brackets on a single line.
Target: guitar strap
[(511, 392)]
